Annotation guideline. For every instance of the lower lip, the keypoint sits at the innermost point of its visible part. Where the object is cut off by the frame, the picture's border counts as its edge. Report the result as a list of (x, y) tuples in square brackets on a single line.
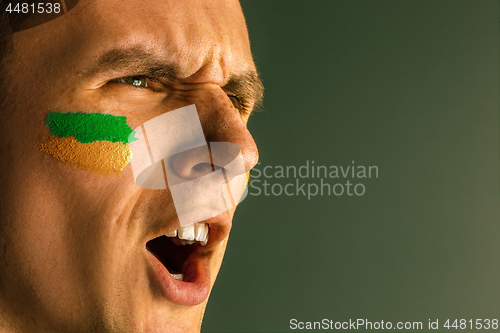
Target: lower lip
[(196, 285)]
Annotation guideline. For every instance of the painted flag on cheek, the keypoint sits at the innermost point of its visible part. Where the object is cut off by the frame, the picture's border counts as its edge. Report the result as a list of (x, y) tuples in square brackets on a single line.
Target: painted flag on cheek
[(94, 142)]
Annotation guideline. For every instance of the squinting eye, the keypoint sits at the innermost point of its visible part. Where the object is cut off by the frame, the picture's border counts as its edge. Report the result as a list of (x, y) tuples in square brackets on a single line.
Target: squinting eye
[(236, 101), (137, 81)]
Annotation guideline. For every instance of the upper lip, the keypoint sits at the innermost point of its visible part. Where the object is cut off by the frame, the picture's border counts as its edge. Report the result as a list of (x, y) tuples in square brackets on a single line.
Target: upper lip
[(219, 228)]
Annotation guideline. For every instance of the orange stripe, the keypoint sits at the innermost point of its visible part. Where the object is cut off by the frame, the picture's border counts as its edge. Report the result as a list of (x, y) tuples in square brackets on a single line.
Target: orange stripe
[(102, 157)]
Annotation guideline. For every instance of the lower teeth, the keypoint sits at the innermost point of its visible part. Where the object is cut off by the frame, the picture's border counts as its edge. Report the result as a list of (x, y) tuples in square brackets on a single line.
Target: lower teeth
[(179, 277)]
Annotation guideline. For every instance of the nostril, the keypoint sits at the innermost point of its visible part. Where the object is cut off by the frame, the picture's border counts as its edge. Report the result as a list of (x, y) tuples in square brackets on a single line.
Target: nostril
[(224, 158), (202, 169), (192, 163)]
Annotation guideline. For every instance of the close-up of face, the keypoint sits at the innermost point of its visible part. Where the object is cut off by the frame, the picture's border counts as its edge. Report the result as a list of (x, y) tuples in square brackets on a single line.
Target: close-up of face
[(83, 249)]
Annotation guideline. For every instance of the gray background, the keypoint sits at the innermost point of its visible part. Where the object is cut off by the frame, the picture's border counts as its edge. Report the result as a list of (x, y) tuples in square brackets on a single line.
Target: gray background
[(411, 87)]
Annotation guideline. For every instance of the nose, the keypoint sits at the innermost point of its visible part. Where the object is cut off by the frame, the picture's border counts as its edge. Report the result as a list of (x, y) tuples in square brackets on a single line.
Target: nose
[(192, 163), (221, 122)]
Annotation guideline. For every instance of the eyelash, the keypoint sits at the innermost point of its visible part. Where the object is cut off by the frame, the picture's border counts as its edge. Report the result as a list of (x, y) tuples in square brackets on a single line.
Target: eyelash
[(242, 106), (123, 80)]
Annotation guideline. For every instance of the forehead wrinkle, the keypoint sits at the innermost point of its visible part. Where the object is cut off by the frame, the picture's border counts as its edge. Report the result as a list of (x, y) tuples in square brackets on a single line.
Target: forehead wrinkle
[(208, 43), (137, 60)]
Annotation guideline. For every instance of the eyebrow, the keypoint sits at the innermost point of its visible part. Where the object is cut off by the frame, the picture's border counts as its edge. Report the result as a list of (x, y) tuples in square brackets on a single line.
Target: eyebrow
[(138, 61), (134, 60), (248, 86)]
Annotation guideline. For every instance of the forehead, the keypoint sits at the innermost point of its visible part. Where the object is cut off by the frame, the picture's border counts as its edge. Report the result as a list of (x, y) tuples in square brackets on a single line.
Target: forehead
[(187, 34)]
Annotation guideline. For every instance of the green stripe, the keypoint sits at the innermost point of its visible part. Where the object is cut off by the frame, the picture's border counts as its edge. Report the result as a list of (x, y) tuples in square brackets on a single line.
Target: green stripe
[(90, 127)]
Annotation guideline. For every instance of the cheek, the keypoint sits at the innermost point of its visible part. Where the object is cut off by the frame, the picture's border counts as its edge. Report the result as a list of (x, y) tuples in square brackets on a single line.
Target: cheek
[(217, 260), (41, 265), (137, 105)]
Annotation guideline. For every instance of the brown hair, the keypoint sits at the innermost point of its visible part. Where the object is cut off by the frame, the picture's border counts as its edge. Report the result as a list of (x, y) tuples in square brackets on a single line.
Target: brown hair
[(5, 43)]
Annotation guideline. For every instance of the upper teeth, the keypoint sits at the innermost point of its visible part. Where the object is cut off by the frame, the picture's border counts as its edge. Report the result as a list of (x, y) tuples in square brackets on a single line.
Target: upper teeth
[(190, 233)]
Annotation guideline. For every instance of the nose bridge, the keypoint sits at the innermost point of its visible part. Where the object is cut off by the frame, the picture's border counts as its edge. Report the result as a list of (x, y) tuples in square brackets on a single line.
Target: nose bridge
[(215, 65), (214, 68), (222, 122)]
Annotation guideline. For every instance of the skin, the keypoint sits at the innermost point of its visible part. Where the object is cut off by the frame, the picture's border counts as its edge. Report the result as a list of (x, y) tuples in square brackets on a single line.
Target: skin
[(73, 243)]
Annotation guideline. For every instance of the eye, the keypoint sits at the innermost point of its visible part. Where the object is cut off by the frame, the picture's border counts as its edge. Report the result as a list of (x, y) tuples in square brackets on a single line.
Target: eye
[(236, 101), (137, 81)]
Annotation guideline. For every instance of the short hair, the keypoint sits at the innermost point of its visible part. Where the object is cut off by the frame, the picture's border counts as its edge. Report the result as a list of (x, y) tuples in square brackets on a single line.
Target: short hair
[(5, 30), (5, 46)]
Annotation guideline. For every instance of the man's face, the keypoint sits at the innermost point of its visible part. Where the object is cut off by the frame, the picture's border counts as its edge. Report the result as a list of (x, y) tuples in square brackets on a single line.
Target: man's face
[(73, 243)]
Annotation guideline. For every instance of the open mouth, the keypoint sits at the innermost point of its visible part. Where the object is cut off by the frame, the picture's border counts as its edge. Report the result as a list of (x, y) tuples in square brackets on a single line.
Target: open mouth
[(175, 248)]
